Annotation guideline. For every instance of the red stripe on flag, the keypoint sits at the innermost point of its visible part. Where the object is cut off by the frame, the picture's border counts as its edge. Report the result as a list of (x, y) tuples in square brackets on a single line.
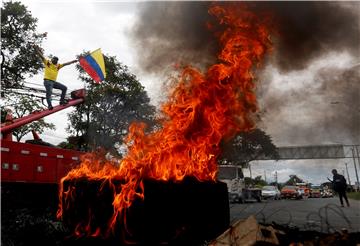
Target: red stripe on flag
[(89, 69)]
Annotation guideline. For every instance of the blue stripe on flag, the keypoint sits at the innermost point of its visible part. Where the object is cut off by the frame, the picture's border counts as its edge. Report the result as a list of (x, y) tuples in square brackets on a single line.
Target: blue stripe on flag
[(95, 66)]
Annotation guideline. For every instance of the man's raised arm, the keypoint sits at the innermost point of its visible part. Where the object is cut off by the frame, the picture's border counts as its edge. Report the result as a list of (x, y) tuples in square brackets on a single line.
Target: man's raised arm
[(70, 62), (39, 52)]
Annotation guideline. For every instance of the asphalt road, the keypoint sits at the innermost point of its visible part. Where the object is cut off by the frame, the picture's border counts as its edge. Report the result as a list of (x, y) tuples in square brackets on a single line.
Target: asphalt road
[(320, 214)]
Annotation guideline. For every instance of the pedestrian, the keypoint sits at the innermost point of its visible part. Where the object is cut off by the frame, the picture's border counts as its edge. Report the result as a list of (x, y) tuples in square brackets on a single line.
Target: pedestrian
[(339, 185), (50, 74)]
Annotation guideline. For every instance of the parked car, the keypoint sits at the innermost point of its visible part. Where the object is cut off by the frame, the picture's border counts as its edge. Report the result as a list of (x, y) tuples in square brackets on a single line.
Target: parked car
[(316, 191), (327, 193), (291, 192), (304, 189), (271, 192), (303, 193)]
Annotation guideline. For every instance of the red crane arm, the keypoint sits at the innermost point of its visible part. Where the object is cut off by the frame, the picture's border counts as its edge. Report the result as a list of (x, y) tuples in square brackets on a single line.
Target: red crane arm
[(37, 115)]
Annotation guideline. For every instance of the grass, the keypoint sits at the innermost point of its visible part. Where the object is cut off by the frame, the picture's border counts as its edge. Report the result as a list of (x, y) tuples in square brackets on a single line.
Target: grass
[(354, 195)]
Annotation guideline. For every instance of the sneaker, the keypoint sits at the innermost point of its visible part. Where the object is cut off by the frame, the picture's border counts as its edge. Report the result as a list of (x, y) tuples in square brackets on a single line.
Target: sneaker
[(50, 107), (64, 102)]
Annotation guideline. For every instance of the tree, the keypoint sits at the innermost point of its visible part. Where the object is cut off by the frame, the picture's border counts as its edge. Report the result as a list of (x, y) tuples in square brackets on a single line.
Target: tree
[(293, 180), (248, 146), (73, 142), (257, 181), (18, 60), (18, 34), (24, 105), (276, 184), (109, 108)]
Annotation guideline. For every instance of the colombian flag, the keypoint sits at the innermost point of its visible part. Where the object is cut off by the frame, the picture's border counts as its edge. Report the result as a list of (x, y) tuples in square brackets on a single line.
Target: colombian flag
[(94, 65)]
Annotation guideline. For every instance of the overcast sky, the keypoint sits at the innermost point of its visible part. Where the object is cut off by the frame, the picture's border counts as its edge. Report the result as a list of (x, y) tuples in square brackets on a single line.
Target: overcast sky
[(308, 88)]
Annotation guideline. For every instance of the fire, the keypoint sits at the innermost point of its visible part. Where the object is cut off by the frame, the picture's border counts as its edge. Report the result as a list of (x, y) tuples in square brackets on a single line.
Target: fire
[(203, 110)]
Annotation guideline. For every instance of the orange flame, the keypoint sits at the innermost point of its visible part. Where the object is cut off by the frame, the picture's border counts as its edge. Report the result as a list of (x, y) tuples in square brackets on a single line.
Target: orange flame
[(202, 111)]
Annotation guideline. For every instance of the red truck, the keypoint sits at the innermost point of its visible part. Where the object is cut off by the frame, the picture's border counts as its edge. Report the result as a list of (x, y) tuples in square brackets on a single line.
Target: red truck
[(33, 161)]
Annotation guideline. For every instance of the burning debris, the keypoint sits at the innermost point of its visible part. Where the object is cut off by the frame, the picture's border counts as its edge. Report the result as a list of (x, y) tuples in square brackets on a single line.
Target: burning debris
[(183, 212), (202, 110)]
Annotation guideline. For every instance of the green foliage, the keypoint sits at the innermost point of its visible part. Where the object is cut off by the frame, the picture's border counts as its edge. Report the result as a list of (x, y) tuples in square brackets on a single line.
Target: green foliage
[(65, 145), (354, 195), (18, 34), (18, 60), (248, 146), (109, 108), (25, 105), (293, 180), (72, 143), (3, 115), (257, 181), (279, 186)]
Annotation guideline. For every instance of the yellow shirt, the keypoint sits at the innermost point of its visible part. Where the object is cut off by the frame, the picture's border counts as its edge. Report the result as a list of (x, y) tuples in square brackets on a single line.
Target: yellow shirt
[(51, 70)]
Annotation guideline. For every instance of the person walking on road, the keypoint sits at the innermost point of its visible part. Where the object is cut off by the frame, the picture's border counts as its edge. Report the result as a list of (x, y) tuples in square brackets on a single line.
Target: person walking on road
[(50, 74), (339, 185)]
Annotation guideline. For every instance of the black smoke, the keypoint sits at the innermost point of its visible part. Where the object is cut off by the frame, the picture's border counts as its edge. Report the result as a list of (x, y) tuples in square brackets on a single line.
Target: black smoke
[(171, 32), (306, 30), (168, 33), (325, 109)]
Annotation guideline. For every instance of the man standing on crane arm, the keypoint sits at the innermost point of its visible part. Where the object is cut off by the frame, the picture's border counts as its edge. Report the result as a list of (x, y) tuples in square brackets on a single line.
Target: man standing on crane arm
[(50, 74)]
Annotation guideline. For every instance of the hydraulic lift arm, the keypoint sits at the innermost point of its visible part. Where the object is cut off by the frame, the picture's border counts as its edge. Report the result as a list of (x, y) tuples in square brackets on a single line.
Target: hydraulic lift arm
[(7, 127)]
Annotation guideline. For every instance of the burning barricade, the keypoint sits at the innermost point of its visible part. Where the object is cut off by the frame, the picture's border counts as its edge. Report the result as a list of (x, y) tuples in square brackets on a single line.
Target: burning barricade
[(169, 176)]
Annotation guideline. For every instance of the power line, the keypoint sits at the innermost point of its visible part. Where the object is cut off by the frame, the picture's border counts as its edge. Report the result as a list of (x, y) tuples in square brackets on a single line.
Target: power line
[(10, 105), (27, 94), (57, 97), (25, 82), (35, 89), (54, 136)]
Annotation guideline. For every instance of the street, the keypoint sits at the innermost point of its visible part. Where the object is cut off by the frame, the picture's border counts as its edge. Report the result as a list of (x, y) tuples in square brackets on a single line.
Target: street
[(320, 214)]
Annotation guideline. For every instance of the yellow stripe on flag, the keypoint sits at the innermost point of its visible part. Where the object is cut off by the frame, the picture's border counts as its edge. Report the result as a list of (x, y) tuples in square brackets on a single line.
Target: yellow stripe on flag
[(99, 58)]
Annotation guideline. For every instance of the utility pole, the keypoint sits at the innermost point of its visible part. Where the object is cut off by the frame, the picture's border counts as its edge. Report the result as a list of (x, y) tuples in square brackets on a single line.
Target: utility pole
[(357, 154), (356, 172), (276, 177), (250, 171), (347, 171), (265, 176)]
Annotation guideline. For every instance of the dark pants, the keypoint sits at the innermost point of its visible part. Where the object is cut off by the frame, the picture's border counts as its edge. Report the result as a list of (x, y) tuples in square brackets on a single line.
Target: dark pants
[(342, 194), (49, 85)]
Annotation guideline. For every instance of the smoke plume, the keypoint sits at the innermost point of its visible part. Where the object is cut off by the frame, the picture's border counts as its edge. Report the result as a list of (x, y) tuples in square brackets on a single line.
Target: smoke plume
[(170, 32), (320, 105), (325, 104), (306, 30), (173, 33)]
